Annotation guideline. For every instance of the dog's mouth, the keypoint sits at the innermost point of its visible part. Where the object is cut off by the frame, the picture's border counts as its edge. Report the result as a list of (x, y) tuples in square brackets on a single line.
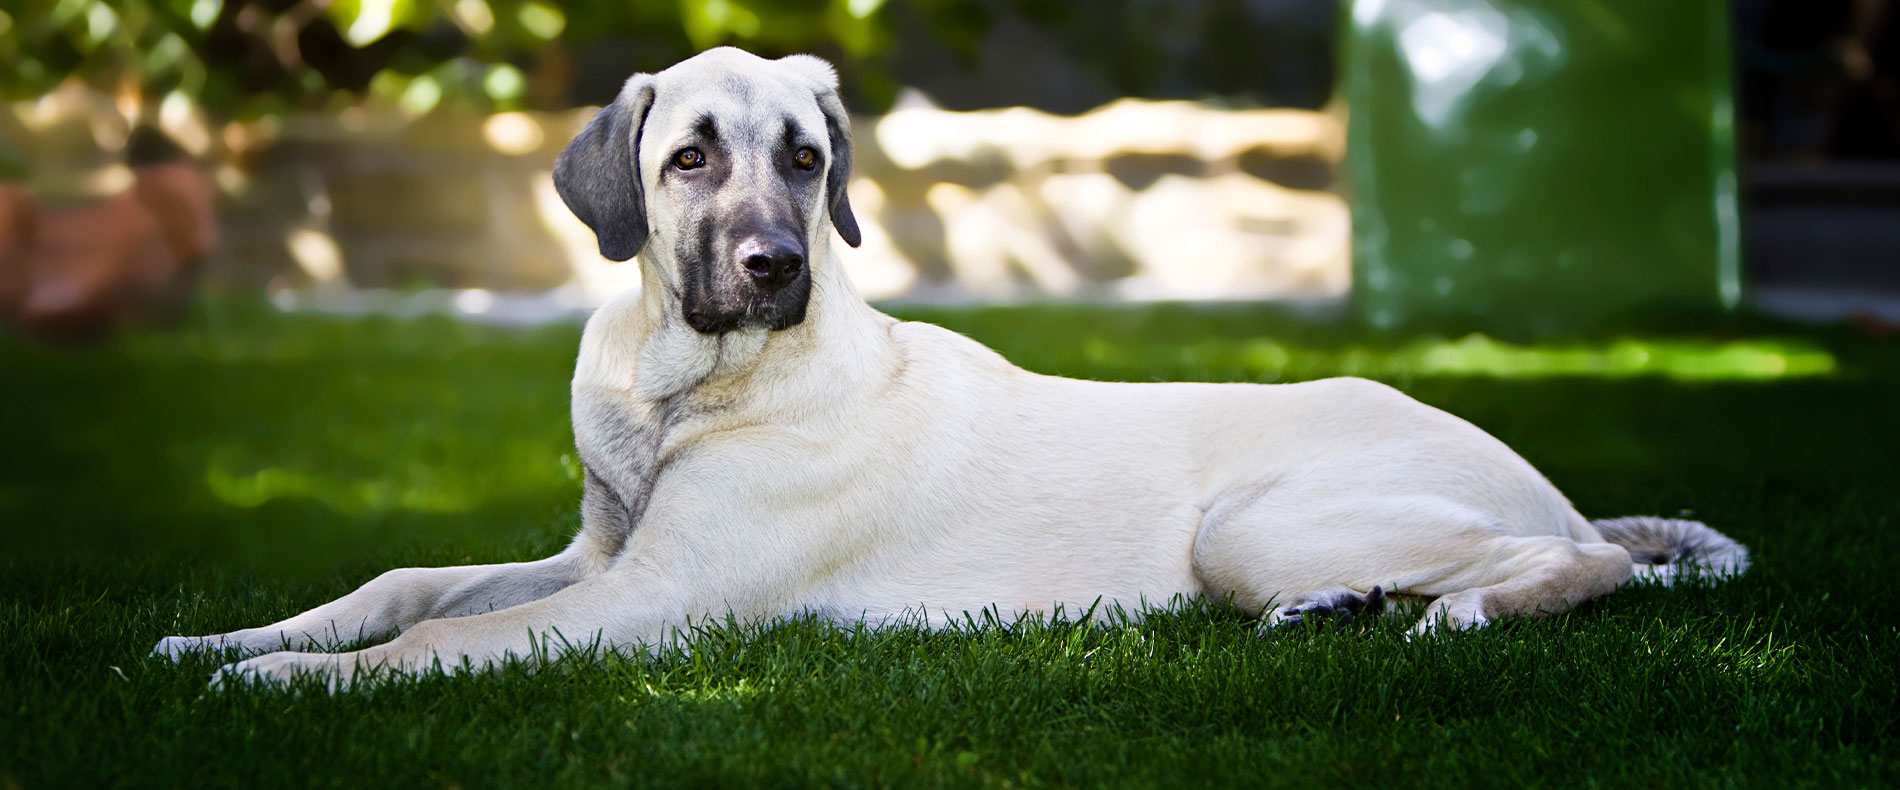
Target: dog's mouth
[(772, 312)]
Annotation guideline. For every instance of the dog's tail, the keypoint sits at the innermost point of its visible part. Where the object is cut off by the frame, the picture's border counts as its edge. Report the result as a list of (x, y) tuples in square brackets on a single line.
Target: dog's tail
[(1662, 548)]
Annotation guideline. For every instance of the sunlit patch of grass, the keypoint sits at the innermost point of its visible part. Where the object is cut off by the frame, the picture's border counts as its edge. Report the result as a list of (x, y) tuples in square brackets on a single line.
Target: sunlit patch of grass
[(344, 496), (1684, 360), (1262, 359)]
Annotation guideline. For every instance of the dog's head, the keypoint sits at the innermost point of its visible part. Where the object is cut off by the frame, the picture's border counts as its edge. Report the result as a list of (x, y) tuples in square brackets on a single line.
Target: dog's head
[(728, 168)]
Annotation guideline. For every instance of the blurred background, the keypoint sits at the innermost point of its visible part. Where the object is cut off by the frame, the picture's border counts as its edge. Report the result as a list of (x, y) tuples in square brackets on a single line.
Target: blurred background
[(287, 299), (1560, 164)]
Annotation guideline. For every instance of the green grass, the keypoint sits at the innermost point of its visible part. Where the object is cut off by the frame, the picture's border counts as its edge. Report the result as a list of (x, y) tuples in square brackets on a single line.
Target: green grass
[(249, 466)]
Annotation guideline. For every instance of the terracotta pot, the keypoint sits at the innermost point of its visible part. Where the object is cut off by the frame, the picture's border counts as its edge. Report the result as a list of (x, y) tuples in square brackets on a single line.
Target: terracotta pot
[(96, 266), (19, 237)]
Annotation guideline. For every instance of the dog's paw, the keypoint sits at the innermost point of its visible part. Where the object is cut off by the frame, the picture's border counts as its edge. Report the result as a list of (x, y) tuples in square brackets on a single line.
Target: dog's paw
[(1334, 604), (177, 647), (278, 669), (1463, 611)]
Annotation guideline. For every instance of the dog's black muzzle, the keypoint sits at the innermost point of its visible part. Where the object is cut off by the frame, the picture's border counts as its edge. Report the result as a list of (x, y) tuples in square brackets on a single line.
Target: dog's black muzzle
[(759, 278)]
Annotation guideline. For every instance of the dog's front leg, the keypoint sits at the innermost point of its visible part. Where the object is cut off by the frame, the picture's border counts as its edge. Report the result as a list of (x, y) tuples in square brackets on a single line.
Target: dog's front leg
[(395, 601), (630, 606)]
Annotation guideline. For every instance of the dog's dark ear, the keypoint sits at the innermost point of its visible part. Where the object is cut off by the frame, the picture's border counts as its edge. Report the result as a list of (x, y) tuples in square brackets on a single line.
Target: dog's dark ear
[(838, 127), (838, 176), (598, 175)]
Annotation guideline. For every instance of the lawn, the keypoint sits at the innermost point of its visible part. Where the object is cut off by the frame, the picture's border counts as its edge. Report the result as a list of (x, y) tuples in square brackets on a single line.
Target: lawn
[(249, 465)]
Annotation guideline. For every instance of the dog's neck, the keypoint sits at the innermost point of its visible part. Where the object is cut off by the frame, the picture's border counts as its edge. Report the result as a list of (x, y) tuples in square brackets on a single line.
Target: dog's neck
[(843, 344)]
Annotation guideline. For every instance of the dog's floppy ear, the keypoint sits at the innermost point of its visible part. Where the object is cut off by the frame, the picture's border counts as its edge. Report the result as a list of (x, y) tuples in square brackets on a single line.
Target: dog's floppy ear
[(838, 126), (598, 175)]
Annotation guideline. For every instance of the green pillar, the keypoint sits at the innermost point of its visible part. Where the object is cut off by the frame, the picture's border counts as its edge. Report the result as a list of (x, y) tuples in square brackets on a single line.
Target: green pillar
[(1546, 164)]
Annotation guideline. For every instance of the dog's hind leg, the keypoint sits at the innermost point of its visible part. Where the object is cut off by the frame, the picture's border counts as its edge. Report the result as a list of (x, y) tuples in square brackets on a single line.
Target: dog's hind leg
[(395, 601), (1542, 576), (1293, 549), (1308, 553)]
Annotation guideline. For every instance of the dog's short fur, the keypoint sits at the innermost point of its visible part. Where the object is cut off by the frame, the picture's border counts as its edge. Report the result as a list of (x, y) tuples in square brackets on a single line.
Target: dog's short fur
[(760, 443)]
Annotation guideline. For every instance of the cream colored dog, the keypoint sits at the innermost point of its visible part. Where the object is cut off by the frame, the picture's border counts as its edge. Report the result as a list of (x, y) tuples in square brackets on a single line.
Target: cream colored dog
[(760, 443)]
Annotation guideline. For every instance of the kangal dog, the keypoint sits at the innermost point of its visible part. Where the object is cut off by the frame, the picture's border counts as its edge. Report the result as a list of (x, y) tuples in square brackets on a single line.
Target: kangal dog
[(760, 443)]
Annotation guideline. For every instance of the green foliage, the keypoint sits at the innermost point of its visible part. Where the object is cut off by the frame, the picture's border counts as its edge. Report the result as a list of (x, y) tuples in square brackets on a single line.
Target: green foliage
[(431, 442), (44, 42), (243, 58), (247, 57)]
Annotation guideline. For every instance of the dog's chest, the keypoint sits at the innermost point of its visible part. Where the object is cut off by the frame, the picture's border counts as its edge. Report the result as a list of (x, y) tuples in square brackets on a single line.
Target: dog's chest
[(621, 442)]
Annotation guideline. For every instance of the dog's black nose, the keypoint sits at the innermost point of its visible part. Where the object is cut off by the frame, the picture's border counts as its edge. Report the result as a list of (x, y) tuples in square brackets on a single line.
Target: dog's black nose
[(773, 266)]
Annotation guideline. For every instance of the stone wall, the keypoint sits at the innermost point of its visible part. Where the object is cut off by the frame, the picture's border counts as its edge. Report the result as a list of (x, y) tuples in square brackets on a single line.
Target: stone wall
[(1135, 200)]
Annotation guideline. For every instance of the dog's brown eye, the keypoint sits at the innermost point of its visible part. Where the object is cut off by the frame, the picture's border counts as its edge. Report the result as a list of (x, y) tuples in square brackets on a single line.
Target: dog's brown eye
[(806, 159), (688, 158)]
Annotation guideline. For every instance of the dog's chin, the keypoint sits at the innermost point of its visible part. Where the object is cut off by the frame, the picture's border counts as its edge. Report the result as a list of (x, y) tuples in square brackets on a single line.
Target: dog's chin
[(767, 316), (717, 310)]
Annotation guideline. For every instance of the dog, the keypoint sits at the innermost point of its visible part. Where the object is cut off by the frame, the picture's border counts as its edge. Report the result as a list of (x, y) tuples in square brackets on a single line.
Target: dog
[(759, 443)]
